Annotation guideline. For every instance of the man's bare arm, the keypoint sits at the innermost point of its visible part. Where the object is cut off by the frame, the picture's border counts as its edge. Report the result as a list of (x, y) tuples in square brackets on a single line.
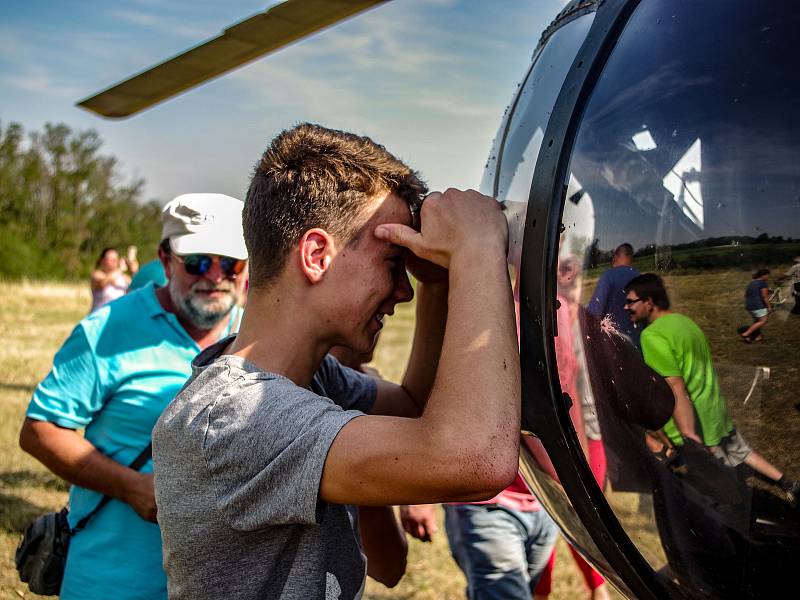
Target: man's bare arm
[(466, 444), (409, 398), (765, 297), (77, 461), (684, 410), (384, 544)]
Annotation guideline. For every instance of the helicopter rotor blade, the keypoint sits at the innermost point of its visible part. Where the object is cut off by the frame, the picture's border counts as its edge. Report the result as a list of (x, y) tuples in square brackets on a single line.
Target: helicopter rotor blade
[(243, 42)]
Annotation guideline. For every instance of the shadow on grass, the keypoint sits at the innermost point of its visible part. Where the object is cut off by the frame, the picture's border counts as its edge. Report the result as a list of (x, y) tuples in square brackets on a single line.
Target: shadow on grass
[(17, 513), (37, 479)]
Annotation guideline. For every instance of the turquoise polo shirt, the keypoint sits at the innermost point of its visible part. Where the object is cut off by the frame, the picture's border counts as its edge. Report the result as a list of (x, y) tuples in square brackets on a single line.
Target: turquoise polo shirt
[(150, 271), (113, 376)]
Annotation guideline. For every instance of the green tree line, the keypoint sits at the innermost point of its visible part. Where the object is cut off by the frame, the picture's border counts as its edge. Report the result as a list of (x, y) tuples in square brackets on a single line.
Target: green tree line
[(62, 202)]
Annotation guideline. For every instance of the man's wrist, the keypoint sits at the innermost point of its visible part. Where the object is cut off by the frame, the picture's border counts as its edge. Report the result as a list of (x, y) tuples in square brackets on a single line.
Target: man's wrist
[(474, 262), (129, 489)]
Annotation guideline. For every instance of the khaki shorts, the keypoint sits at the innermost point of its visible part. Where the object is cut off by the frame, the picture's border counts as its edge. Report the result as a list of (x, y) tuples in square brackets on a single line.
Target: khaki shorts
[(732, 450)]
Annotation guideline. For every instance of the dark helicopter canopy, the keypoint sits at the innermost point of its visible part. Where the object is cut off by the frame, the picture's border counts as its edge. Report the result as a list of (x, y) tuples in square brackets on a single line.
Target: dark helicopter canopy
[(671, 127)]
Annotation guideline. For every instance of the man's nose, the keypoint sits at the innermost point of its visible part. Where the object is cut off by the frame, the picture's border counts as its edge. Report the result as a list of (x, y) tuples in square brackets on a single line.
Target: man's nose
[(403, 290), (215, 273)]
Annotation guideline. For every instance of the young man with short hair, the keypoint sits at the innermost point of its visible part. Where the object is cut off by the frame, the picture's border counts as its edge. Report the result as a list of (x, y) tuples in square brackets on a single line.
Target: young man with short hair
[(260, 459)]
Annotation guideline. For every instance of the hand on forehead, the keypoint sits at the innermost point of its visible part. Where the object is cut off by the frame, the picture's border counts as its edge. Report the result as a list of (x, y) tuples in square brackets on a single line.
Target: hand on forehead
[(452, 222)]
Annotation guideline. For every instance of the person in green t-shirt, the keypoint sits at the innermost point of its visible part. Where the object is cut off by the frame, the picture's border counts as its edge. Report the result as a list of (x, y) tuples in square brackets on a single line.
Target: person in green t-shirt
[(676, 348)]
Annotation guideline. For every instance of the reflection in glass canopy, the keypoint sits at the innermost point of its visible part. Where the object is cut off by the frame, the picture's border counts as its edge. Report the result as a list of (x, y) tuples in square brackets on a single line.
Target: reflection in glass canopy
[(681, 170), (683, 182), (694, 225)]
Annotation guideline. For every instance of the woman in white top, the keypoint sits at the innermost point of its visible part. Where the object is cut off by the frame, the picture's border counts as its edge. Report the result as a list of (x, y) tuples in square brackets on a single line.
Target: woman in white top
[(109, 280)]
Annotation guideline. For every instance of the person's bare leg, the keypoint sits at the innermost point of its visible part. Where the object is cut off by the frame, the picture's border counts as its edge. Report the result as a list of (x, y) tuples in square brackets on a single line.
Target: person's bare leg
[(760, 464), (600, 592), (754, 327)]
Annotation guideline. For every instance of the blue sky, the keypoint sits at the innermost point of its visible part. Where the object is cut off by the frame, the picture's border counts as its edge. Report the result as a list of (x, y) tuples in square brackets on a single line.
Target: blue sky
[(429, 79)]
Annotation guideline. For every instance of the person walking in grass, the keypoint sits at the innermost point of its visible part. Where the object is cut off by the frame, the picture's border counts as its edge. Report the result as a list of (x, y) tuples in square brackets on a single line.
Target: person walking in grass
[(756, 302), (676, 348), (502, 545)]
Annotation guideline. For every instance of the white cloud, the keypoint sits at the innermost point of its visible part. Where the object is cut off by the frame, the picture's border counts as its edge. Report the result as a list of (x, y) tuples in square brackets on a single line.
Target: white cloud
[(401, 60), (453, 106), (194, 31), (134, 17), (38, 80)]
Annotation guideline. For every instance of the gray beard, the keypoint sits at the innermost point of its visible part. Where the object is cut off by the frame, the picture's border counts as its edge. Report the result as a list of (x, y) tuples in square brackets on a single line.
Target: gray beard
[(199, 313)]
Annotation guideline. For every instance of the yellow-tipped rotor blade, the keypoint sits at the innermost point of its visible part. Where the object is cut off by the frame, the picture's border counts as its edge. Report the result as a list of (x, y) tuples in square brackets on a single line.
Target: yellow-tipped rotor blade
[(243, 42)]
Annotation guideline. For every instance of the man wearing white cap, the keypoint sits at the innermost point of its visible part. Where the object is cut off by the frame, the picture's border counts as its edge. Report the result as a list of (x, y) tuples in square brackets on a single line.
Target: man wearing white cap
[(112, 378)]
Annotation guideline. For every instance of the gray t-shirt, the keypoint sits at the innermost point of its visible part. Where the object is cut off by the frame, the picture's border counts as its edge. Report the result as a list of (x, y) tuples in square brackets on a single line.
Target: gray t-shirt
[(238, 459)]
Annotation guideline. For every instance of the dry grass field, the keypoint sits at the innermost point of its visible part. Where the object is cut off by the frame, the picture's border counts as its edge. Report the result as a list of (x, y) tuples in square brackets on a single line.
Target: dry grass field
[(37, 317)]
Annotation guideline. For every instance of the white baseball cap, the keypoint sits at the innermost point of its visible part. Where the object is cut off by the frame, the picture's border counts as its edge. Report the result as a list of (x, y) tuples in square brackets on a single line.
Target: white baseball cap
[(204, 224)]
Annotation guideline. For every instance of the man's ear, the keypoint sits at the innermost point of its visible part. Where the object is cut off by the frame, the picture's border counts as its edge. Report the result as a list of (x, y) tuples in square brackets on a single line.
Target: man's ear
[(164, 258), (317, 249)]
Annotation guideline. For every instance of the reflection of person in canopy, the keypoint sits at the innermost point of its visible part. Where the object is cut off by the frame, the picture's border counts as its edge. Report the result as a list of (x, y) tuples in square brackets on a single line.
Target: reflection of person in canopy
[(580, 414), (676, 348), (756, 301), (794, 278), (608, 299)]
